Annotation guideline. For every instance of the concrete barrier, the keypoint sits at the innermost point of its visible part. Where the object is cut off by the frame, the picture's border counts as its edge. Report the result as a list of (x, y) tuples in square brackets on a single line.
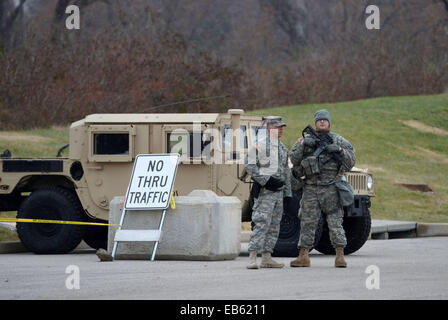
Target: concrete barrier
[(202, 227), (245, 236)]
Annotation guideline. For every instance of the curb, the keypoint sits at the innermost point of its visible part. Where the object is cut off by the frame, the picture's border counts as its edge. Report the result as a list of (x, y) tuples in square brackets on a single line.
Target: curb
[(390, 229), (12, 247), (432, 229)]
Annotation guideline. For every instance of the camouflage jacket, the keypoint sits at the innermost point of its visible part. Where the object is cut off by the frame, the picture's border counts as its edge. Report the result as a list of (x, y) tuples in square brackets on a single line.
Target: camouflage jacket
[(330, 169), (269, 158)]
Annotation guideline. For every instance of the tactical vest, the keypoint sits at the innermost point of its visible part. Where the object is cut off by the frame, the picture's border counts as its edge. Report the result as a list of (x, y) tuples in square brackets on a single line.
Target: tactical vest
[(321, 170)]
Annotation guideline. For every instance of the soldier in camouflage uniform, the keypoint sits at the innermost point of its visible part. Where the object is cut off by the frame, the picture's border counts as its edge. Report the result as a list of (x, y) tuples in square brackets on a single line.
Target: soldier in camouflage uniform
[(267, 163), (320, 194)]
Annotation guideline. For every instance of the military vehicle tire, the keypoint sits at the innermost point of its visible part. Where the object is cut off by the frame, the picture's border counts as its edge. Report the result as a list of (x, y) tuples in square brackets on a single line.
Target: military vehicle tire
[(357, 230), (96, 236), (51, 204), (289, 234)]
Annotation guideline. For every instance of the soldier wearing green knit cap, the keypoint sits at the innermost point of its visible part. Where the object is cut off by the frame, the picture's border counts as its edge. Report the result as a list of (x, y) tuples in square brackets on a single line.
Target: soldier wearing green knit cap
[(322, 115), (322, 175)]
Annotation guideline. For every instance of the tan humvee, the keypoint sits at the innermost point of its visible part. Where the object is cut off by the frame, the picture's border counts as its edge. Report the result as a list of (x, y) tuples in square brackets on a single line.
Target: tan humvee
[(98, 168)]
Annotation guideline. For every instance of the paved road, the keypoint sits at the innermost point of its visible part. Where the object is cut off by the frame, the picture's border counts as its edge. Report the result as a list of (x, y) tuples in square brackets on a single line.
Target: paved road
[(408, 269)]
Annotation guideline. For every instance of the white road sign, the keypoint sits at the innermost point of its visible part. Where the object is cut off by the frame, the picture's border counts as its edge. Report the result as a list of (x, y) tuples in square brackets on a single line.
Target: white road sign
[(152, 181)]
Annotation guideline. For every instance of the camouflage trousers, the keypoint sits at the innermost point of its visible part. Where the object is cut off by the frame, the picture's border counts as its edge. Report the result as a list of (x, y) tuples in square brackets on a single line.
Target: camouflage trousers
[(266, 215), (317, 200)]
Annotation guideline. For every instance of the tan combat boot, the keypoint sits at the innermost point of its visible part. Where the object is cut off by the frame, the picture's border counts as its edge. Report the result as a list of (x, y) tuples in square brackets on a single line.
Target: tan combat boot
[(252, 260), (104, 255), (339, 262), (303, 260), (268, 262)]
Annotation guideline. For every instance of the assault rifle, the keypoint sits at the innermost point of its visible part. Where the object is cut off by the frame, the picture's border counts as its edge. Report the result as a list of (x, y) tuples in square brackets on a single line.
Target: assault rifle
[(321, 142)]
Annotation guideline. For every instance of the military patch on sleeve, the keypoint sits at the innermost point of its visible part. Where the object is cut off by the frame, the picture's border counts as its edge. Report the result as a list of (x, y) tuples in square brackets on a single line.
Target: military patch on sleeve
[(300, 140)]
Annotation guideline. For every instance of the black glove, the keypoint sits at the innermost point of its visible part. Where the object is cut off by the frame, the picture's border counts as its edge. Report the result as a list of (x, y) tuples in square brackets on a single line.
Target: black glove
[(308, 141), (333, 148), (274, 184)]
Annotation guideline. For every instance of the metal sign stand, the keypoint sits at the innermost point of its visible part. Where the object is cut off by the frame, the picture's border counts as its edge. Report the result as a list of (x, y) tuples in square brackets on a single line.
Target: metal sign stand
[(138, 235), (146, 168)]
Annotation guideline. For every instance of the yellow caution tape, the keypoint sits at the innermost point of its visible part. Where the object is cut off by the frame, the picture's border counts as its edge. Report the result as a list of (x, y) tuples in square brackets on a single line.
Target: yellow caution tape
[(172, 203), (57, 222)]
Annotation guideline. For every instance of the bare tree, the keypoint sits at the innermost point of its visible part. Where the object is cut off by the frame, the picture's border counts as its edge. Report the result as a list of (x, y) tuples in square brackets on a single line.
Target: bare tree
[(9, 12)]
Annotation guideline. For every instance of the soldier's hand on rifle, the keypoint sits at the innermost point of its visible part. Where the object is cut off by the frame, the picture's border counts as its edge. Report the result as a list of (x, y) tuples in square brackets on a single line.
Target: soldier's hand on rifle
[(308, 141), (274, 184), (333, 148)]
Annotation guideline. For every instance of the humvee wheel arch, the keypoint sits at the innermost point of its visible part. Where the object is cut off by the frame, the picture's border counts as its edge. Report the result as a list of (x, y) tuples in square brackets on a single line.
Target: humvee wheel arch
[(37, 182), (54, 203)]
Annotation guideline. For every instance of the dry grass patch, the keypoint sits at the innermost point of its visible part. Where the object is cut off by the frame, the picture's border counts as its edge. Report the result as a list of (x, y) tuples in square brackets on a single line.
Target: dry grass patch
[(424, 128), (424, 153)]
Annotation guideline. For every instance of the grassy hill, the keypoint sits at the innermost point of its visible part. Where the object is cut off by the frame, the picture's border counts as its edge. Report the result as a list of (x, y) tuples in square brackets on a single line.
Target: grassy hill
[(400, 139)]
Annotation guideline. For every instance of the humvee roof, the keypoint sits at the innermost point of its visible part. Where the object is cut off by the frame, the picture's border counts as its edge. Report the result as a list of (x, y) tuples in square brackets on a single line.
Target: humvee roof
[(152, 118)]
